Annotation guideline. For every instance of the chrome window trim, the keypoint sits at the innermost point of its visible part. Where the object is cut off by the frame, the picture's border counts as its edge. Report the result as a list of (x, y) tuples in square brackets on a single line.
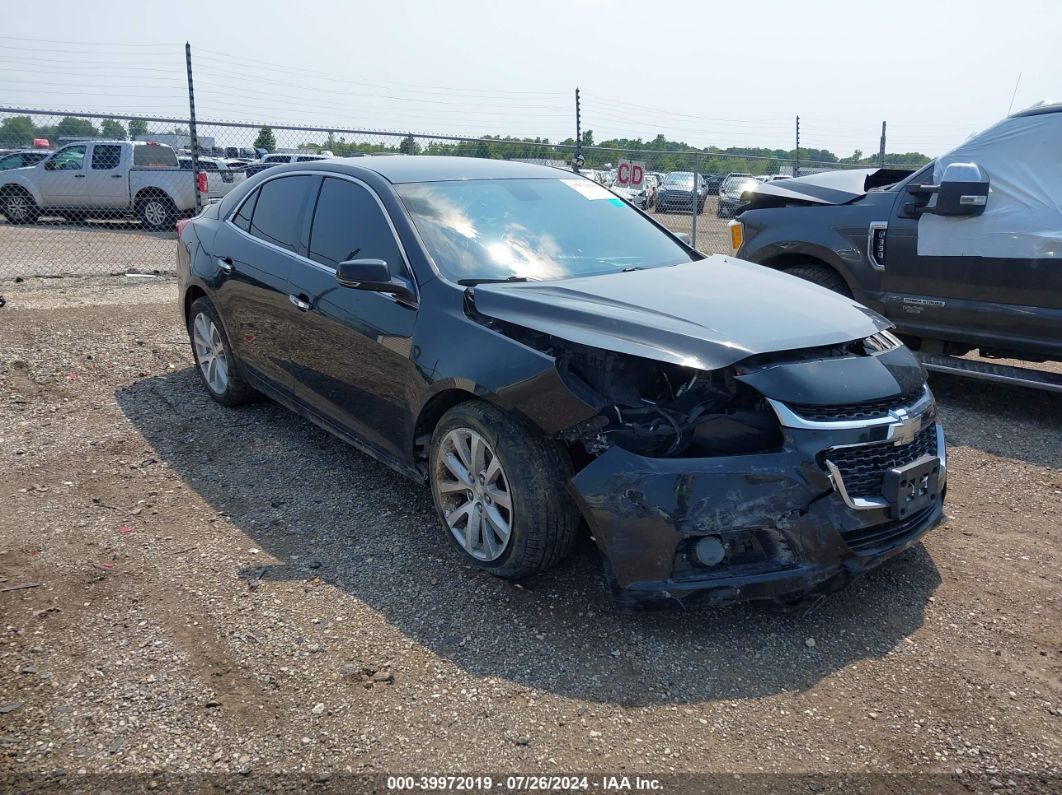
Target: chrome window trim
[(790, 419), (315, 263)]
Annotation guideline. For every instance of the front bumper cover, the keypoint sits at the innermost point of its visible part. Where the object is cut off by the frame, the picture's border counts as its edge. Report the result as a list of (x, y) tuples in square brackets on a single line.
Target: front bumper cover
[(646, 514)]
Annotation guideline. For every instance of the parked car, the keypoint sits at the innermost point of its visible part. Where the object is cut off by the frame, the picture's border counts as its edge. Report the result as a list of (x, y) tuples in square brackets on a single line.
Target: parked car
[(641, 196), (221, 175), (712, 183), (277, 159), (113, 178), (964, 254), (732, 193), (677, 193), (540, 356), (23, 158), (240, 153)]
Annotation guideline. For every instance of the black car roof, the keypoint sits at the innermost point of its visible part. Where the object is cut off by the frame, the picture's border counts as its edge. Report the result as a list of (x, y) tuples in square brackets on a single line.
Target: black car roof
[(398, 169)]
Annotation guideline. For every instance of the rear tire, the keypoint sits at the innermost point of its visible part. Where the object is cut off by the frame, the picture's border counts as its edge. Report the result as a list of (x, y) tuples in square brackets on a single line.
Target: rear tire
[(822, 275), (156, 213), (19, 207), (215, 362), (541, 519)]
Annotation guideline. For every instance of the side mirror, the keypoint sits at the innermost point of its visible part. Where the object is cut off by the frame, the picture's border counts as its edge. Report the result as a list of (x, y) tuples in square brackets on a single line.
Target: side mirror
[(685, 238), (373, 275), (963, 191)]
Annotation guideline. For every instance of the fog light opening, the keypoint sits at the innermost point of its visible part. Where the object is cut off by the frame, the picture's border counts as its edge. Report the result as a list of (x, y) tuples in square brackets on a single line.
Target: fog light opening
[(710, 551)]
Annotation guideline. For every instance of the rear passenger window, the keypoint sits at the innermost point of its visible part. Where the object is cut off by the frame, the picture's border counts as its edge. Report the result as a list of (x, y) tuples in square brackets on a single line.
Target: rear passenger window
[(349, 224), (154, 156), (106, 156), (277, 216), (242, 218)]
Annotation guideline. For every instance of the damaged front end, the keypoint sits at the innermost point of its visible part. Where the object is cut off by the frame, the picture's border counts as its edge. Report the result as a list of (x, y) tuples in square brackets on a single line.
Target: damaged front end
[(769, 478)]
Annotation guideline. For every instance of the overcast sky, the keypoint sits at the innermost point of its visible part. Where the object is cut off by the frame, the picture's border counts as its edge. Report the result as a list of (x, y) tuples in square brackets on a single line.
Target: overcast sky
[(723, 74)]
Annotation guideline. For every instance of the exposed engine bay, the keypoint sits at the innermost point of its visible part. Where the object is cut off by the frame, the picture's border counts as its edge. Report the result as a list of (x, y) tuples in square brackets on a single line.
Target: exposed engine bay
[(656, 409)]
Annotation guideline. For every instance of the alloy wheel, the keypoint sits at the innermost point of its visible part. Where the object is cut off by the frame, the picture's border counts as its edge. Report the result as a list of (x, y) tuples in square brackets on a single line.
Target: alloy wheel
[(210, 353), (155, 212), (474, 494), (18, 207)]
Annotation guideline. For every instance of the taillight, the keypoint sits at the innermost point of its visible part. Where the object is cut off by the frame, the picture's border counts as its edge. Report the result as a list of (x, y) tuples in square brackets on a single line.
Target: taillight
[(203, 183), (181, 224)]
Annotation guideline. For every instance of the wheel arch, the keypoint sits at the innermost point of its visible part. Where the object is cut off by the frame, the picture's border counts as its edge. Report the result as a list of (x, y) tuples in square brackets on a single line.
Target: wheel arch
[(152, 192), (787, 259), (18, 186), (428, 417)]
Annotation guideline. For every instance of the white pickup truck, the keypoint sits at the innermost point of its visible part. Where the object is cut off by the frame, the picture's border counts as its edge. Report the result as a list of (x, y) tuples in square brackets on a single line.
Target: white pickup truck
[(104, 179)]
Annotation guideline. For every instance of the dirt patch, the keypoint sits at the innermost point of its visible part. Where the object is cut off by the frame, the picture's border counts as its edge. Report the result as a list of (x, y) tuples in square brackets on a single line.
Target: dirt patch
[(235, 591)]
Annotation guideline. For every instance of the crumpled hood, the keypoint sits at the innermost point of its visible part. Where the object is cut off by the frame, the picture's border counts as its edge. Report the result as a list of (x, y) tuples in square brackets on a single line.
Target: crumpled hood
[(706, 314), (830, 187)]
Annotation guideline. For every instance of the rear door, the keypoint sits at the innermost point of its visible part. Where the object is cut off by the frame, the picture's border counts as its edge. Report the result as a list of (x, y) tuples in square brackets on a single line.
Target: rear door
[(105, 181), (61, 179), (995, 278), (351, 348), (254, 252)]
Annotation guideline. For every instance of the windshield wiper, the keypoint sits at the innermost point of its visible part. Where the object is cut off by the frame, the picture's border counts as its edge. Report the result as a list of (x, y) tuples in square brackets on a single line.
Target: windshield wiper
[(474, 282)]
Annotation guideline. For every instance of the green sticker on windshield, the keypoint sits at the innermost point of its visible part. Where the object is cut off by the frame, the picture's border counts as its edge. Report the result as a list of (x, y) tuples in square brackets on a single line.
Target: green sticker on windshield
[(617, 202)]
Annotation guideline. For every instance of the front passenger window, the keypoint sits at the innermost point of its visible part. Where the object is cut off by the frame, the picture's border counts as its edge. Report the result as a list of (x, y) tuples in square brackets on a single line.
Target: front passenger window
[(70, 159), (349, 224)]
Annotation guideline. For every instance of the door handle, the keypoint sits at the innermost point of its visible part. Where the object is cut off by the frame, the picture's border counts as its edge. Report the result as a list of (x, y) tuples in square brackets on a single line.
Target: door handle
[(225, 263), (302, 305), (79, 176), (116, 176)]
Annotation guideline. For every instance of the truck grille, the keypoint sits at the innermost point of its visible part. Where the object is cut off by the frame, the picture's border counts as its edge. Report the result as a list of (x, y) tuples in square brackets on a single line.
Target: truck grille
[(883, 535), (863, 468), (871, 409)]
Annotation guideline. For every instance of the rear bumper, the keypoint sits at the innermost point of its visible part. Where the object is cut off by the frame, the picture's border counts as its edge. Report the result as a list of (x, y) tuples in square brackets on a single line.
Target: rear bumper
[(647, 515)]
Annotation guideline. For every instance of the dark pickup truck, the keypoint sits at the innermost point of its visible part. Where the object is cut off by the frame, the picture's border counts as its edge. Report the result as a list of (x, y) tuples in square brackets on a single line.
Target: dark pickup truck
[(964, 254)]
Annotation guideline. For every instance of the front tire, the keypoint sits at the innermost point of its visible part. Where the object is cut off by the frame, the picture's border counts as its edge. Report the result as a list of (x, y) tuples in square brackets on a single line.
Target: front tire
[(20, 208), (822, 275), (499, 489), (214, 360)]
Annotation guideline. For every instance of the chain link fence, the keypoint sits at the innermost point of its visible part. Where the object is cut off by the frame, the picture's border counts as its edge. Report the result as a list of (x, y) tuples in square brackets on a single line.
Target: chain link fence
[(90, 194)]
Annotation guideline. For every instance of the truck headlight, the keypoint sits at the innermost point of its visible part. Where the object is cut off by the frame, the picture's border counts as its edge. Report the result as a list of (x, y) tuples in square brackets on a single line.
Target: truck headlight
[(737, 235)]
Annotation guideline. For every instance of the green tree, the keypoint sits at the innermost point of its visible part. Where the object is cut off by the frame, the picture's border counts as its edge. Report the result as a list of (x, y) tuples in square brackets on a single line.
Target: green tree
[(137, 127), (112, 129), (409, 146), (266, 140), (17, 131), (71, 127)]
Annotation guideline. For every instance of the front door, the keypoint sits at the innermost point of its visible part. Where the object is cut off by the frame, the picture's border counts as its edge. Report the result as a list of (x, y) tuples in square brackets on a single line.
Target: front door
[(351, 348), (61, 180)]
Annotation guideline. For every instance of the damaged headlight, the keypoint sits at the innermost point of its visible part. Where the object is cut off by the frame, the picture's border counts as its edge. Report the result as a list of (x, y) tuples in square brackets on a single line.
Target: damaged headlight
[(658, 409)]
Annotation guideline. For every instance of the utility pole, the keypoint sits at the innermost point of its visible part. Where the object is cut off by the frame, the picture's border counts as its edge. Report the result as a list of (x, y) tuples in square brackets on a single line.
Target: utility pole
[(191, 128), (796, 165), (577, 160), (881, 151)]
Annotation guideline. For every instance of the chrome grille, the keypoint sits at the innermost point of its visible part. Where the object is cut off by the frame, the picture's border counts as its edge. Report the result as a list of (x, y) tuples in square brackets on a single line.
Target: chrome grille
[(871, 409), (863, 467)]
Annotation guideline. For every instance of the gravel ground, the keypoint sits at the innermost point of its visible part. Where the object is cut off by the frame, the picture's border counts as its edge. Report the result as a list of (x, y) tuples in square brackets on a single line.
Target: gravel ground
[(236, 592)]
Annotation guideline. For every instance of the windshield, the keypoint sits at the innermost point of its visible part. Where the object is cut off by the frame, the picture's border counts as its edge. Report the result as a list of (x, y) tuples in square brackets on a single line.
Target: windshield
[(679, 179), (734, 184), (533, 229)]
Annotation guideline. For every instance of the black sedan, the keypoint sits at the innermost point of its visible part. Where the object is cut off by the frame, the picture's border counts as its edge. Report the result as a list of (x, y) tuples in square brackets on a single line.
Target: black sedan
[(545, 357)]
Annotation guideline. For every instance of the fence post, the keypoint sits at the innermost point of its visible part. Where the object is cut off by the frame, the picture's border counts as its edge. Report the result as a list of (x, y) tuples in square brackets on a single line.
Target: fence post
[(881, 151), (577, 159), (796, 163), (191, 128), (693, 208)]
